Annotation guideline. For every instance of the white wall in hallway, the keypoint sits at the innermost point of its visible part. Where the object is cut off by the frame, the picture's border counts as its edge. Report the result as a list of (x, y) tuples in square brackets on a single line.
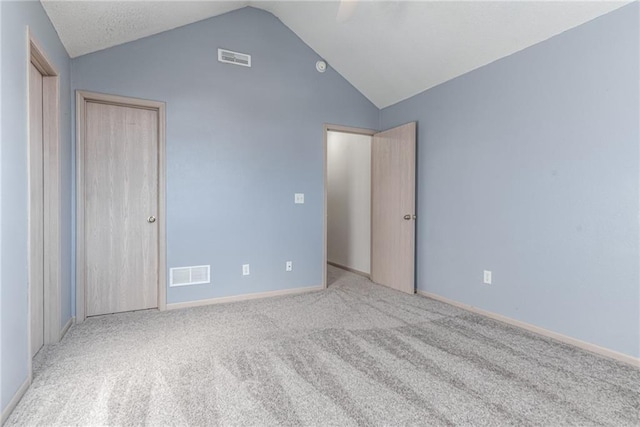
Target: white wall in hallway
[(349, 200)]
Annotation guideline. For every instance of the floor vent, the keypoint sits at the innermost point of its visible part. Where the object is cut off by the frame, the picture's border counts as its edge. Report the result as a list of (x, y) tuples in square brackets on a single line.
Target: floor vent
[(235, 58), (185, 276)]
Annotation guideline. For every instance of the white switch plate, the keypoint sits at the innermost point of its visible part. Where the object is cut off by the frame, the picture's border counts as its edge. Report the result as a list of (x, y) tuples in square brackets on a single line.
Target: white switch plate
[(487, 277), (245, 269), (289, 266), (299, 198)]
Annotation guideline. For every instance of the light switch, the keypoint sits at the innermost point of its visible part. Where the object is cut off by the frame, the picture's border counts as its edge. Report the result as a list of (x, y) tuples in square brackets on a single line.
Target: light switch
[(299, 198), (487, 277)]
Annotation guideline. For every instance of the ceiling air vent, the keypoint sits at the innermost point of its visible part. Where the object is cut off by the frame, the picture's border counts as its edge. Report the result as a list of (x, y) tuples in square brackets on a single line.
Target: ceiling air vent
[(185, 276), (236, 58)]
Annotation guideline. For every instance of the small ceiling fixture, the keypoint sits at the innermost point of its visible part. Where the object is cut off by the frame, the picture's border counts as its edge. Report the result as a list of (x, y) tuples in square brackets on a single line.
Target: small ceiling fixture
[(321, 66)]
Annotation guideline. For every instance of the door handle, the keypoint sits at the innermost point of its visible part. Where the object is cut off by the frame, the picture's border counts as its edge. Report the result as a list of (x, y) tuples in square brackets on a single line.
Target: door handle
[(408, 217), (151, 219)]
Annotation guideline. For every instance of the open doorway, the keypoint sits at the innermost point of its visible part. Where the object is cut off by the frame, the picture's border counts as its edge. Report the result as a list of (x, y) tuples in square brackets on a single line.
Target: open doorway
[(349, 201), (370, 211)]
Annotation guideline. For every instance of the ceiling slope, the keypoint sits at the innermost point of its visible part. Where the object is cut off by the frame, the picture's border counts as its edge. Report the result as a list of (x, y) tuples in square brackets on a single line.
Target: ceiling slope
[(393, 50), (91, 25), (389, 50)]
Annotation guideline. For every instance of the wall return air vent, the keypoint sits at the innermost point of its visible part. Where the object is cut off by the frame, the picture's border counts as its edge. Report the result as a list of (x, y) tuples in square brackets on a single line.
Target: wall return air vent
[(235, 58), (185, 276)]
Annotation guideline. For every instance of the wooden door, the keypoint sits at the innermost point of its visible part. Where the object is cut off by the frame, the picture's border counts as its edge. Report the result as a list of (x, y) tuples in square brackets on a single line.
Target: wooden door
[(36, 209), (120, 205), (393, 165)]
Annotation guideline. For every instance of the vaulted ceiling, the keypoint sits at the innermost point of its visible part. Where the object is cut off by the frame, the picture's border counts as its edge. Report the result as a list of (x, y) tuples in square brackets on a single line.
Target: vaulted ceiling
[(388, 50)]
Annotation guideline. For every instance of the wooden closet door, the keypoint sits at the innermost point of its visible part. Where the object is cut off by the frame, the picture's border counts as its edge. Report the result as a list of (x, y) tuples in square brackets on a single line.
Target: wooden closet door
[(121, 202), (36, 209)]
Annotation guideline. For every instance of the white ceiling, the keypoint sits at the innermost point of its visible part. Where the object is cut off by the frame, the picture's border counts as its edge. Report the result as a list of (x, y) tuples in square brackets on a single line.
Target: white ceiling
[(389, 50), (87, 26)]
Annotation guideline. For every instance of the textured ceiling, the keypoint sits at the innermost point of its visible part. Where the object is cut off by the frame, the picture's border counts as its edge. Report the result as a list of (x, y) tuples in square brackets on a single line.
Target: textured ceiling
[(91, 25), (389, 50)]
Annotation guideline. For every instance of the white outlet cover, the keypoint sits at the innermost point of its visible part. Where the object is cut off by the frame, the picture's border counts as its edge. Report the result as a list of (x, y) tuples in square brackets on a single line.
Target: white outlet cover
[(299, 198), (245, 270), (289, 266), (487, 277)]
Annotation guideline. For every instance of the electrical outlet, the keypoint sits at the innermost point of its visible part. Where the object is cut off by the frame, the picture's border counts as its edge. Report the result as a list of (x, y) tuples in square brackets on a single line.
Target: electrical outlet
[(487, 277), (245, 269), (289, 266), (298, 198)]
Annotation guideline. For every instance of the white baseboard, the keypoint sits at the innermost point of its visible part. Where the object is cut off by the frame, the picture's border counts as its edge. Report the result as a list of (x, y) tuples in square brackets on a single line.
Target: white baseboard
[(66, 327), (352, 270), (25, 386), (15, 400), (602, 351), (245, 297)]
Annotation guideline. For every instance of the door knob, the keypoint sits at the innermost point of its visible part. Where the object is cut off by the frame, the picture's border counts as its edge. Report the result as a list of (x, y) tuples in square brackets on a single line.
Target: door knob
[(407, 217), (151, 219)]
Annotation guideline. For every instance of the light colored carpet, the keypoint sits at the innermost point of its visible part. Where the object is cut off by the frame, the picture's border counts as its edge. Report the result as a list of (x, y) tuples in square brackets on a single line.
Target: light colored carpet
[(355, 354)]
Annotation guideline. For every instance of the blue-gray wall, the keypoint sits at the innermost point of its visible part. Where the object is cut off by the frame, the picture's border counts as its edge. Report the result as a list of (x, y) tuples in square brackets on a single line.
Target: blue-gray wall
[(13, 226), (529, 167), (240, 142)]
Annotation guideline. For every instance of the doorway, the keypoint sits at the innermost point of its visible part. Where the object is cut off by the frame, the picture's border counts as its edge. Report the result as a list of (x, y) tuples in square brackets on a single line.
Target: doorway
[(44, 208), (121, 254), (349, 201), (370, 183)]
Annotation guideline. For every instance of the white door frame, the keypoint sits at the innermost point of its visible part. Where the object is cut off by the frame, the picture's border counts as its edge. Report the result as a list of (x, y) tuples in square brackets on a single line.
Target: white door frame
[(82, 97), (343, 129), (51, 214)]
